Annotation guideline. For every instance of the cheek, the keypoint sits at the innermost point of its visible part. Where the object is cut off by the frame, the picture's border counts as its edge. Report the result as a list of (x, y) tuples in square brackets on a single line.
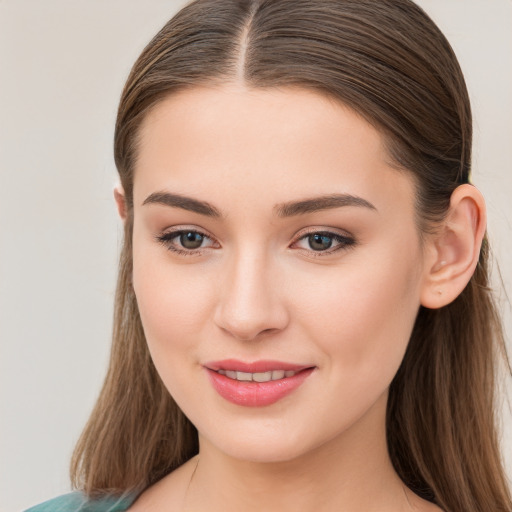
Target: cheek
[(362, 318), (173, 318), (173, 301)]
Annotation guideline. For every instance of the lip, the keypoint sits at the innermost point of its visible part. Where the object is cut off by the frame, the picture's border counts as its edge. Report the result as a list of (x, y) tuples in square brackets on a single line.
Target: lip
[(254, 367), (255, 394)]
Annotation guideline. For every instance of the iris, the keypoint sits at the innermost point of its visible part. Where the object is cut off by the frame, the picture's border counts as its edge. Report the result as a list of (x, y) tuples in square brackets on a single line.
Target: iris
[(191, 240), (320, 242)]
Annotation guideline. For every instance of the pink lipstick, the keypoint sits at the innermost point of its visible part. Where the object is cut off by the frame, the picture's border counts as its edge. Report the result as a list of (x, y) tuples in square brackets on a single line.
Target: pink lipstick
[(255, 384)]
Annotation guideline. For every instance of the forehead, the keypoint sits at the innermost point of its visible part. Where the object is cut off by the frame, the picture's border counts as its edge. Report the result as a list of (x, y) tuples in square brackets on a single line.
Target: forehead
[(275, 144)]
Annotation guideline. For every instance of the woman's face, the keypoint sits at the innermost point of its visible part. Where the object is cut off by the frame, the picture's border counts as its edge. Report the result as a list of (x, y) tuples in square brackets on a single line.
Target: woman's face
[(272, 238)]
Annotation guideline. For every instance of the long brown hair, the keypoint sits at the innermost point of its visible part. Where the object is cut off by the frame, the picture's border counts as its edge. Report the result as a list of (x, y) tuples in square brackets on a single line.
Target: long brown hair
[(389, 62)]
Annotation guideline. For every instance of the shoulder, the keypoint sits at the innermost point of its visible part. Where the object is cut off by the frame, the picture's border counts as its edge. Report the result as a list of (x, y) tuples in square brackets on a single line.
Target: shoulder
[(78, 502)]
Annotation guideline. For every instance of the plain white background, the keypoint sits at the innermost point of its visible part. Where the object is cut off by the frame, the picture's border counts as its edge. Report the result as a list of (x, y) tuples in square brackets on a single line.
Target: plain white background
[(62, 67)]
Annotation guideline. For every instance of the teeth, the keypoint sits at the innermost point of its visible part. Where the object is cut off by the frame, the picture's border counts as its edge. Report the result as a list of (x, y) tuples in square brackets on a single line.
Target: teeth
[(262, 377), (257, 377)]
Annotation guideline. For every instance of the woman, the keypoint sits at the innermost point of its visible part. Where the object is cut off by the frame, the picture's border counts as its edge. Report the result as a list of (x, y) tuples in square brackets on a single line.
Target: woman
[(303, 319)]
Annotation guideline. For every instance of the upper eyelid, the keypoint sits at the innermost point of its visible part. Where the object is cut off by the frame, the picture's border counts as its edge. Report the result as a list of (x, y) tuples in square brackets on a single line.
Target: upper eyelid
[(166, 236), (317, 229), (332, 234), (301, 233), (350, 240), (178, 230)]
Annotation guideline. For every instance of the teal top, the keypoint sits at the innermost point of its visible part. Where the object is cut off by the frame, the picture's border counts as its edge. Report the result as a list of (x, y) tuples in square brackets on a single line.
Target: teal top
[(78, 502)]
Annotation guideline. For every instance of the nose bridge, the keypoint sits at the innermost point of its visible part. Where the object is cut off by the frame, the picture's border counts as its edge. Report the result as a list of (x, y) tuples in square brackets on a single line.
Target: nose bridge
[(250, 303)]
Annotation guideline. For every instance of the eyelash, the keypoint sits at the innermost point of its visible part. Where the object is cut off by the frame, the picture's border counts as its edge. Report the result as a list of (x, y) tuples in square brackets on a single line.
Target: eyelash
[(344, 242), (166, 240)]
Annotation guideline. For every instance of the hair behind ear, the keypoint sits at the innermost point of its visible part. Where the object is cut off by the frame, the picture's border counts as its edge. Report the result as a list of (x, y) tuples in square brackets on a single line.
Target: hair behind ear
[(136, 433), (450, 364)]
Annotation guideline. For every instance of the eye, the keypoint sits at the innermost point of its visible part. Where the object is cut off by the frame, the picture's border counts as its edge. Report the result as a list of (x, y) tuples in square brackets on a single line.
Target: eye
[(324, 242), (185, 241), (191, 239)]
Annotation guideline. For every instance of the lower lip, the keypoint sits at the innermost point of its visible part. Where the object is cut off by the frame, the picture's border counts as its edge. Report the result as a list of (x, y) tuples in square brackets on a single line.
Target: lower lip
[(256, 394)]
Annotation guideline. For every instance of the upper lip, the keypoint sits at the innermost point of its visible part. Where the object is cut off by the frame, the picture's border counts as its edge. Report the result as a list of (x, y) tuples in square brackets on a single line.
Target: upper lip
[(255, 366)]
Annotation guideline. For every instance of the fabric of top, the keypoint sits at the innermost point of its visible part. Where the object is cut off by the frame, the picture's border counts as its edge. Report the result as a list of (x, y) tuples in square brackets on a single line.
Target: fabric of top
[(78, 502)]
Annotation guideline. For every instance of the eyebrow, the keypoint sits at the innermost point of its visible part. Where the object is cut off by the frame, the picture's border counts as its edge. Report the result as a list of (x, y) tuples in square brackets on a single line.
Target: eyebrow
[(183, 202), (288, 209), (315, 204)]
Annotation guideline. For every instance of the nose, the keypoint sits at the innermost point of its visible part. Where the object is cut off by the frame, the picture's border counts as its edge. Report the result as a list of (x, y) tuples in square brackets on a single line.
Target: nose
[(251, 303)]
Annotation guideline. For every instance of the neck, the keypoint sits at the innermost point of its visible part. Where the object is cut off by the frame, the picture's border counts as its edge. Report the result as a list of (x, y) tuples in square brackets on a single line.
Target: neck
[(352, 472)]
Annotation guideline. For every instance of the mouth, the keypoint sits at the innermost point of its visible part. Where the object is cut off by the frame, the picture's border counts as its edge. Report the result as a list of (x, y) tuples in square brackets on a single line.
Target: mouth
[(256, 384), (258, 376)]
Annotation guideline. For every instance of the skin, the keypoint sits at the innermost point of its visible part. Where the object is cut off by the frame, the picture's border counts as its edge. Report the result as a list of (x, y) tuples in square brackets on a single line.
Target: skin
[(257, 290)]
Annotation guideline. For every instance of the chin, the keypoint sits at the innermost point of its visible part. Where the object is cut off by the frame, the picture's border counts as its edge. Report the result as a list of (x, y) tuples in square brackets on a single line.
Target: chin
[(263, 452), (263, 442)]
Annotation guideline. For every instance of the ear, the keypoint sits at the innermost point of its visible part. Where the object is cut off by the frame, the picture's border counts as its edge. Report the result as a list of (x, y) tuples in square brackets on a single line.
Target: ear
[(452, 253), (120, 201)]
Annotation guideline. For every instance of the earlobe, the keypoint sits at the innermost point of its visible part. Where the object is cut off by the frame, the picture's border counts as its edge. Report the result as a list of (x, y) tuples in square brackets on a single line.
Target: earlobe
[(120, 201), (455, 248)]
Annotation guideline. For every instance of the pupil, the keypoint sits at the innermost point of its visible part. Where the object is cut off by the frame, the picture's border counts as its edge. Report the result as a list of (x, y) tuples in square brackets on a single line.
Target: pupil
[(320, 242), (191, 240)]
